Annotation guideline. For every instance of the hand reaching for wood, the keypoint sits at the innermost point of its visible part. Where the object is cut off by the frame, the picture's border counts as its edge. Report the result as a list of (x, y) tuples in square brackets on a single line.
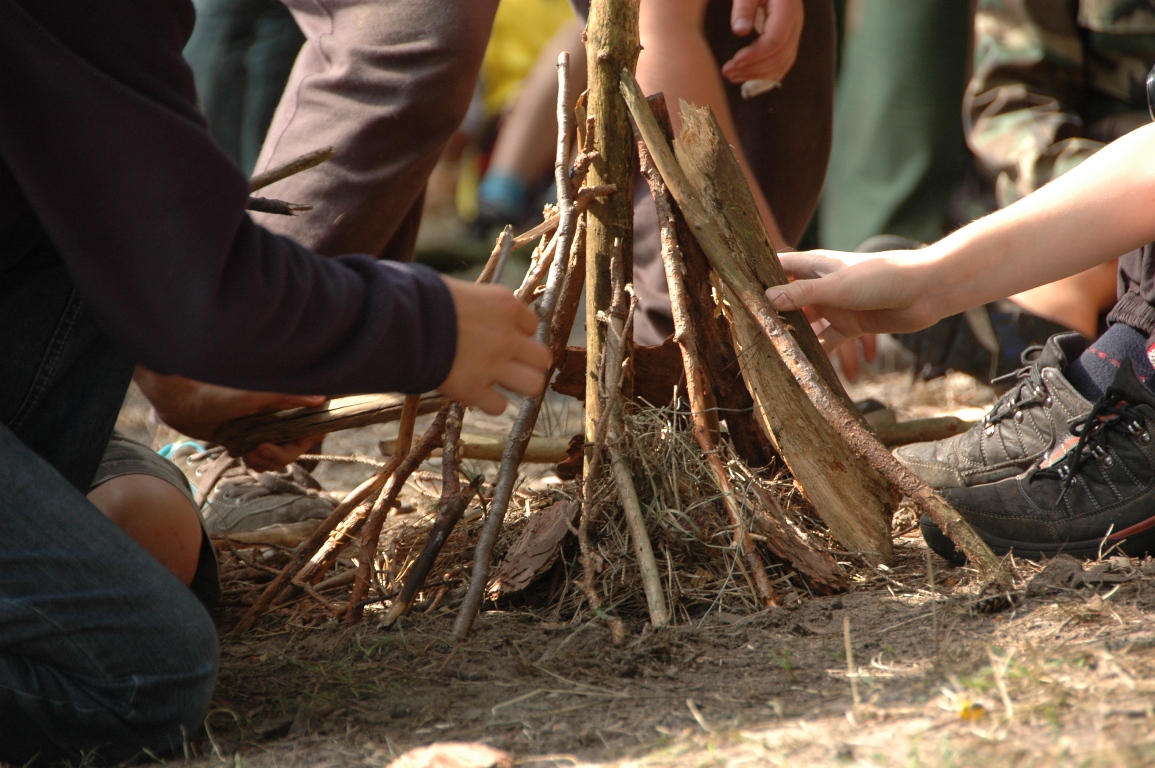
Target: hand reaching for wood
[(495, 347), (199, 410), (771, 55), (852, 294)]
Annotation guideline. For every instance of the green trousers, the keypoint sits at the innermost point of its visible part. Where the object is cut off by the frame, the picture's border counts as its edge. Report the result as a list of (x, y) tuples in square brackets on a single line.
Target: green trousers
[(898, 150)]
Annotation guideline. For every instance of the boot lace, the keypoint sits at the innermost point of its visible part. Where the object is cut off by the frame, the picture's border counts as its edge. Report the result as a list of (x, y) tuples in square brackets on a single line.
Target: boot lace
[(1031, 390), (1110, 412)]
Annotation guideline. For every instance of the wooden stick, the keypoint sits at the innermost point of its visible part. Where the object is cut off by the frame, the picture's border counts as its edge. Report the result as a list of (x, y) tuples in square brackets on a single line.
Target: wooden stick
[(453, 503), (701, 398), (371, 533), (302, 163), (278, 207), (311, 552), (530, 406), (618, 319), (539, 450), (920, 430), (494, 267), (612, 46), (242, 435)]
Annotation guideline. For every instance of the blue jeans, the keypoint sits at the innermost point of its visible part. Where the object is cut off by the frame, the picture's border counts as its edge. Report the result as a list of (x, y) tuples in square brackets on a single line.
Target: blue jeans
[(241, 53), (100, 647)]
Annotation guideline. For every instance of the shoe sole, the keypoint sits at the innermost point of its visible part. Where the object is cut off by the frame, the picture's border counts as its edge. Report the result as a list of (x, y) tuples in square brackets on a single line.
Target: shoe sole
[(1134, 541)]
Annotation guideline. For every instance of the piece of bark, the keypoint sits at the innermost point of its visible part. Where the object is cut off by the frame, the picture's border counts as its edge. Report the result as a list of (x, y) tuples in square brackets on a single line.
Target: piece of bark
[(733, 400), (657, 371), (535, 551), (612, 46), (793, 544), (539, 450), (242, 435)]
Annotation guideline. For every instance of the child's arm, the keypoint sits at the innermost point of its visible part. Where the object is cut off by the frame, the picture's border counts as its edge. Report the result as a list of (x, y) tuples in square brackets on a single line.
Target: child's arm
[(1098, 211)]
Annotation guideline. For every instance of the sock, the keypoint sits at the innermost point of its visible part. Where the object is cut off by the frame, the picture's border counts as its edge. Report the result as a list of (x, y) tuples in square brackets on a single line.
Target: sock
[(1095, 369)]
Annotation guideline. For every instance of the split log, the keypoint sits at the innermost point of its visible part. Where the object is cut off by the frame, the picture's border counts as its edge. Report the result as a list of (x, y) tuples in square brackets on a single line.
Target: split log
[(242, 435), (612, 46), (734, 402), (850, 496), (820, 392), (703, 410)]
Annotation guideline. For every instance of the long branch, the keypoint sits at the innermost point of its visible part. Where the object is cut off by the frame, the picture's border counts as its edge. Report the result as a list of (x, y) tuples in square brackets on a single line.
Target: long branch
[(530, 407)]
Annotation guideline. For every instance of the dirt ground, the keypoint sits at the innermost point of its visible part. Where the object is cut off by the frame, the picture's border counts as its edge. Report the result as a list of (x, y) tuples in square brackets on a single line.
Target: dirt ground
[(907, 668)]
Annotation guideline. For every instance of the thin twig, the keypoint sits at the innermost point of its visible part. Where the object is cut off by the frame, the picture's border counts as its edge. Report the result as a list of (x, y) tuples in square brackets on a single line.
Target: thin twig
[(530, 407), (453, 503), (697, 386), (371, 534), (302, 163)]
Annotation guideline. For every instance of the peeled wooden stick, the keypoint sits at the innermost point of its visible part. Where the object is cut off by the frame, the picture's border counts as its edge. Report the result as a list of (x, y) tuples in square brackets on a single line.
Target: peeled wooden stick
[(530, 406), (697, 389), (302, 163), (618, 320)]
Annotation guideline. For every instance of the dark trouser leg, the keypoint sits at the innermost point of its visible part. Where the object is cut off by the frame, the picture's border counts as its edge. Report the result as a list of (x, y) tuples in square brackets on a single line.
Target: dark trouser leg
[(898, 142), (99, 645), (386, 84)]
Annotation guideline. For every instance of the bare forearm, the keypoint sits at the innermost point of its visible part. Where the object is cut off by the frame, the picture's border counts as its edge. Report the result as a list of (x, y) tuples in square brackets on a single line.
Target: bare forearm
[(1096, 212), (676, 60)]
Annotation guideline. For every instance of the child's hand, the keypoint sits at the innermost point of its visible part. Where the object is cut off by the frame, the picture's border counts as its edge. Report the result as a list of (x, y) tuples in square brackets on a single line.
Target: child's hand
[(855, 294), (773, 52), (495, 347)]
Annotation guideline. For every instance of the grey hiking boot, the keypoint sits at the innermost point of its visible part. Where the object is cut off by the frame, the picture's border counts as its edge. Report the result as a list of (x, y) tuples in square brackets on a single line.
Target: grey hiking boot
[(234, 498), (1090, 493), (1022, 426)]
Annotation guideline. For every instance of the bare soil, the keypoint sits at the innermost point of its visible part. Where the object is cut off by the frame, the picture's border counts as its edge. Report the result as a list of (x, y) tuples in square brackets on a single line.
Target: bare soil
[(935, 676)]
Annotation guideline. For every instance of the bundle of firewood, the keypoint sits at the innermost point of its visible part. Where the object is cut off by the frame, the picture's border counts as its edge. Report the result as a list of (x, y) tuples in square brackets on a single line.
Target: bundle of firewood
[(783, 405)]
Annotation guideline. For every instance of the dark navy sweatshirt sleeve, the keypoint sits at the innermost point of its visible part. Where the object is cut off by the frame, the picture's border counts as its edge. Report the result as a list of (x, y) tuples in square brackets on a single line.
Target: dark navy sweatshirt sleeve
[(100, 137)]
